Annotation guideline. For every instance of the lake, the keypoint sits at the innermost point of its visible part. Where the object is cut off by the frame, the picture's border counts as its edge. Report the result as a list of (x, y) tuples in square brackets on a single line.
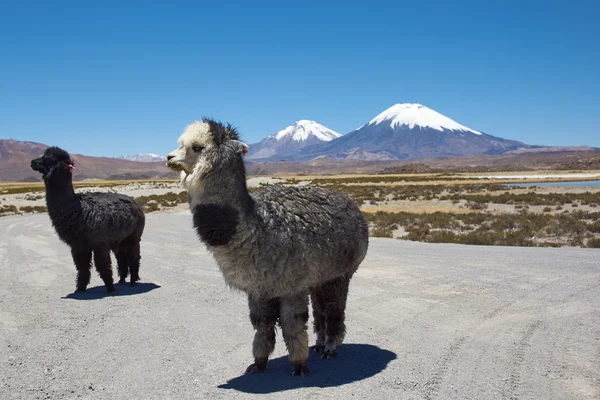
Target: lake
[(559, 184)]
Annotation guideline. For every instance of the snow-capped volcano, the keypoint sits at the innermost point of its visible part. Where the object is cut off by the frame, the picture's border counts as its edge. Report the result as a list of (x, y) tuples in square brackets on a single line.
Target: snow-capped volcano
[(409, 131), (288, 141), (416, 115), (147, 157), (302, 130)]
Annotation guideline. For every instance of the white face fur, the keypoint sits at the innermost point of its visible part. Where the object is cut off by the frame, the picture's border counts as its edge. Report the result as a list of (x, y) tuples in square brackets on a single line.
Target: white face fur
[(195, 145), (193, 142)]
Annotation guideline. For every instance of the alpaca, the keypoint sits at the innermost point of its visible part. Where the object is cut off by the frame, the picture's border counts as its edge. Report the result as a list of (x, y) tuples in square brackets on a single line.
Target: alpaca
[(280, 245), (92, 222)]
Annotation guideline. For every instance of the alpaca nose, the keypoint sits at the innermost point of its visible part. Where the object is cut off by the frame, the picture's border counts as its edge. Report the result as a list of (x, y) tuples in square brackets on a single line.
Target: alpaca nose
[(170, 157)]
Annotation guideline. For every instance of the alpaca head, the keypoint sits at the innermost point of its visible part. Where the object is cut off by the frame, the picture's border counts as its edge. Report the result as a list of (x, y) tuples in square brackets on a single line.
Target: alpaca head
[(204, 146), (55, 163)]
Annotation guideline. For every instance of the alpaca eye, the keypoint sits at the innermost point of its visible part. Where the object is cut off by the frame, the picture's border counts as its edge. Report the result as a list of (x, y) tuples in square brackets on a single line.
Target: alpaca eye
[(197, 149)]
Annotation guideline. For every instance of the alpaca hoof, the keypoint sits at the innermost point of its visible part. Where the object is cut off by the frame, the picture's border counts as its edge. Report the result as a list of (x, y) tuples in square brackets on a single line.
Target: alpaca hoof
[(260, 364), (122, 281), (300, 370), (111, 289), (253, 369), (318, 348), (328, 354), (79, 290)]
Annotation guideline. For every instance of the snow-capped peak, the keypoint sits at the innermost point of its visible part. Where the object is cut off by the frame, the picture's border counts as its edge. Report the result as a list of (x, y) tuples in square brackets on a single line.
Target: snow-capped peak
[(303, 129), (417, 115), (147, 157)]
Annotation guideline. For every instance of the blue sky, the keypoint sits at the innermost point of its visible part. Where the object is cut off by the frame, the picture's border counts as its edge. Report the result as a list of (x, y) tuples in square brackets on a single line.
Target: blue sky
[(113, 78)]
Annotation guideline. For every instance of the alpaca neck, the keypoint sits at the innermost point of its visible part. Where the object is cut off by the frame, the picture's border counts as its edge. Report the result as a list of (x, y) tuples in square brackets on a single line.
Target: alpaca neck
[(60, 197), (221, 207), (220, 187)]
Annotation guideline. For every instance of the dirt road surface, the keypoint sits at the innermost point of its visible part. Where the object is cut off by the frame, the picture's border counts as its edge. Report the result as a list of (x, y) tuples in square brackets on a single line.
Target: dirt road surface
[(425, 321)]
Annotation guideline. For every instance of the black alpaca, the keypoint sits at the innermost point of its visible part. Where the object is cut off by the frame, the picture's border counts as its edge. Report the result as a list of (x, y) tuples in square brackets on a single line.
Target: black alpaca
[(91, 222)]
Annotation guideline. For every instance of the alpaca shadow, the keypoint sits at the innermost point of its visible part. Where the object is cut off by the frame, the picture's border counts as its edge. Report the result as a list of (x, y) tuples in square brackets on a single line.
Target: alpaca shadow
[(354, 362), (99, 292)]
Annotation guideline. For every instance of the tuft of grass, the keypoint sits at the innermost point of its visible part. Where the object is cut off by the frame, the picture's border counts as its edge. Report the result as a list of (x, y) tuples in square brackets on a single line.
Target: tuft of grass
[(157, 201), (30, 197), (384, 232), (531, 198), (594, 243), (33, 209), (8, 210)]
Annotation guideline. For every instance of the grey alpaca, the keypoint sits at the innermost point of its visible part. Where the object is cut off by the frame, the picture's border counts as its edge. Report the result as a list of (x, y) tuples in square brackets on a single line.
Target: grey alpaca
[(91, 223), (279, 244)]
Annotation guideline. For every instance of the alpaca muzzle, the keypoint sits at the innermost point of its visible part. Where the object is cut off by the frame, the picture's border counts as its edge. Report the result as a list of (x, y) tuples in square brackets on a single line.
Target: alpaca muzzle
[(37, 165), (174, 164)]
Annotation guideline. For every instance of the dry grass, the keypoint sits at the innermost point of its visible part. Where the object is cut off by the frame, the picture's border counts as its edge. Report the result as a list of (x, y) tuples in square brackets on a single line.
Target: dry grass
[(25, 187), (99, 182), (433, 178), (522, 229), (476, 212), (424, 207), (419, 207)]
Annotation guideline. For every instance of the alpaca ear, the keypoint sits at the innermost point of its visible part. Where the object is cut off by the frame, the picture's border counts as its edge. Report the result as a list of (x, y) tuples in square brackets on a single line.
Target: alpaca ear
[(240, 147)]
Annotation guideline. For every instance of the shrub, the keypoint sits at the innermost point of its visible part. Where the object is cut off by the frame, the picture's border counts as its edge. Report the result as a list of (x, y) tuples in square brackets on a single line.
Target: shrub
[(595, 227), (156, 201), (34, 209), (594, 243), (382, 232), (489, 229), (6, 210), (476, 206)]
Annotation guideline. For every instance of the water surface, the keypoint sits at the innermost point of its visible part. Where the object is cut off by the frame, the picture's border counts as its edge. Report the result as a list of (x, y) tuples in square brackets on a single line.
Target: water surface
[(559, 184)]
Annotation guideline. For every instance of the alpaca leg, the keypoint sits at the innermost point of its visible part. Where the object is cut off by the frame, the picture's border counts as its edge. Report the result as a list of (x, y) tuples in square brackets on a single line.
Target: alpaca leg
[(103, 266), (293, 316), (82, 259), (133, 261), (333, 296), (122, 263), (263, 315), (318, 321)]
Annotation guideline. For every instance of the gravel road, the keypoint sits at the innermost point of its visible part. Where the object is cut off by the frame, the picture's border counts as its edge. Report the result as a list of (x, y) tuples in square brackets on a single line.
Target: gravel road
[(425, 321)]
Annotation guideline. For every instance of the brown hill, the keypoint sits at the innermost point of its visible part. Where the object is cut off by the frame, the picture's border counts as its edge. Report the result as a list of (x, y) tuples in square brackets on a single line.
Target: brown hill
[(15, 158)]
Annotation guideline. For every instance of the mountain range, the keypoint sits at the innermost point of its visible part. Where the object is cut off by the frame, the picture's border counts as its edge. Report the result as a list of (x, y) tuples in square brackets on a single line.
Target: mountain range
[(16, 156), (402, 132), (394, 137)]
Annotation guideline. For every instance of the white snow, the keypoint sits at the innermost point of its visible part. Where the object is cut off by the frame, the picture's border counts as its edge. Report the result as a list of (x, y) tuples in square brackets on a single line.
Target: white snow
[(303, 129), (146, 157), (417, 115)]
